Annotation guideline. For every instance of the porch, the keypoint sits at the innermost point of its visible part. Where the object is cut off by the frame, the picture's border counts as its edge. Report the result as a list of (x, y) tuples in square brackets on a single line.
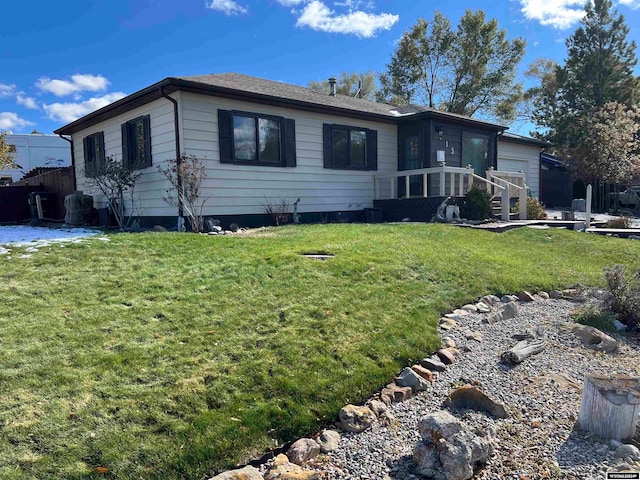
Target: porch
[(417, 194)]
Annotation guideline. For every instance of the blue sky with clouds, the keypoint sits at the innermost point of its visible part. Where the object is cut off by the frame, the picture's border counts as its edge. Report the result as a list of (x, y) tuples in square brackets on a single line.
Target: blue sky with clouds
[(62, 60)]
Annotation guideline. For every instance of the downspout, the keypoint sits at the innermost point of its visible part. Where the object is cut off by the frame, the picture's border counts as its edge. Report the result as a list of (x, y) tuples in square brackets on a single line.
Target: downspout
[(178, 154), (500, 132), (73, 161)]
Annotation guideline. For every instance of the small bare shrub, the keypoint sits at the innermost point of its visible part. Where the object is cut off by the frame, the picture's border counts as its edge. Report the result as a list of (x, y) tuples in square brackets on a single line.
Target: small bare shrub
[(624, 294), (279, 211), (619, 222)]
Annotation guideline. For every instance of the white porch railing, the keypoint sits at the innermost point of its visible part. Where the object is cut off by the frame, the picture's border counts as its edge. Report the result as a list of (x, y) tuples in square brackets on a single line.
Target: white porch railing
[(514, 183), (444, 180)]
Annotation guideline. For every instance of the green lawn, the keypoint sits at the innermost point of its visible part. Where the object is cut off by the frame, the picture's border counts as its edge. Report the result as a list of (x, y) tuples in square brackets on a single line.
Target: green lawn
[(169, 356)]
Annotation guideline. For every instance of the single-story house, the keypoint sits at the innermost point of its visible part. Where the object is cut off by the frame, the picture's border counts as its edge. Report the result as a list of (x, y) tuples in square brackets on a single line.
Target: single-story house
[(266, 142)]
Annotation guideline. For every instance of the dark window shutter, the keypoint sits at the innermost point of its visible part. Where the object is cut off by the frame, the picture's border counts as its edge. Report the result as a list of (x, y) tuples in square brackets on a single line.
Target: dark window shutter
[(88, 168), (146, 126), (289, 142), (100, 159), (225, 136), (125, 145), (327, 145), (372, 150)]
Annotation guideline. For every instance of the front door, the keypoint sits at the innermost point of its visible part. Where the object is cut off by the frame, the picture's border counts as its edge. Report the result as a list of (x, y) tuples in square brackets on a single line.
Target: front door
[(475, 152), (410, 159)]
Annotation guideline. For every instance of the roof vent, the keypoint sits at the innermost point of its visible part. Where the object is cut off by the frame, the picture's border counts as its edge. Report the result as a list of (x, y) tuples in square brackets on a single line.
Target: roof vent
[(332, 86)]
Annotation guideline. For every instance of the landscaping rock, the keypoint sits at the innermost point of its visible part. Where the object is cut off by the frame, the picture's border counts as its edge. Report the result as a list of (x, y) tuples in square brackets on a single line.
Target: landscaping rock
[(510, 310), (393, 393), (302, 451), (525, 296), (490, 300), (482, 307), (493, 318), (409, 378), (246, 473), (555, 294), (377, 407), (423, 372), (627, 450), (472, 397), (448, 342), (282, 469), (507, 299), (386, 418), (356, 419), (448, 324), (460, 312), (446, 356), (593, 338), (448, 449), (159, 228), (475, 335), (328, 440), (433, 363), (470, 308), (543, 295)]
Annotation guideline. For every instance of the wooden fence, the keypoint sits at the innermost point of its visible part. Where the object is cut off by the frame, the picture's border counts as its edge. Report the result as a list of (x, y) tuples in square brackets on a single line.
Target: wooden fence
[(55, 183)]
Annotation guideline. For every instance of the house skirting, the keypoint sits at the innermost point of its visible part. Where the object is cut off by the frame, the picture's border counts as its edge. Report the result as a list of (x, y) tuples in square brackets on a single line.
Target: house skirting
[(421, 209)]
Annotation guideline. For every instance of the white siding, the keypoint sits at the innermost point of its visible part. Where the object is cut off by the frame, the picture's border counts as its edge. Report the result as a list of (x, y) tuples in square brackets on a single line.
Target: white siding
[(152, 186), (516, 157), (242, 189)]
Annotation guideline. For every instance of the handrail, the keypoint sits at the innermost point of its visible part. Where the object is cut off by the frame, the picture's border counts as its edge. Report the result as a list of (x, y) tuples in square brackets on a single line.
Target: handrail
[(422, 171), (507, 182), (487, 181)]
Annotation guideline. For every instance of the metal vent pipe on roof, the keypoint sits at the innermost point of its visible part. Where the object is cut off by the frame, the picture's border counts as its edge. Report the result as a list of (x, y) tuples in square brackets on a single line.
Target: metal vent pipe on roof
[(332, 86)]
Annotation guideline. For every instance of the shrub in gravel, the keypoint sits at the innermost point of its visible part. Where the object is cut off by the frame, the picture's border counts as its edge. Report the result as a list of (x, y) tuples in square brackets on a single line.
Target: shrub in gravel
[(624, 294), (594, 316)]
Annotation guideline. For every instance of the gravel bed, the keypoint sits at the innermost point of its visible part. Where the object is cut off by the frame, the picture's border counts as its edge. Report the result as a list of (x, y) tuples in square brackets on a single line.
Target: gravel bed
[(542, 397)]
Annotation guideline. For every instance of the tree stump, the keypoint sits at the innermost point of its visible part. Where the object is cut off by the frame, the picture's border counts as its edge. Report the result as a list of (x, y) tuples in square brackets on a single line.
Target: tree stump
[(610, 406)]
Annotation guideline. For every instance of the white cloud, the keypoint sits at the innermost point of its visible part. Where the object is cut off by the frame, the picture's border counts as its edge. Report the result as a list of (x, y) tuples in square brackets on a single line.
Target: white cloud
[(633, 4), (317, 16), (9, 120), (78, 83), (68, 112), (291, 3), (7, 90), (560, 14), (228, 7), (27, 102)]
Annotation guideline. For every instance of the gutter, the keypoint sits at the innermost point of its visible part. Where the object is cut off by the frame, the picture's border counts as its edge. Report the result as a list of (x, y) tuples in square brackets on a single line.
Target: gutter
[(178, 150), (73, 160)]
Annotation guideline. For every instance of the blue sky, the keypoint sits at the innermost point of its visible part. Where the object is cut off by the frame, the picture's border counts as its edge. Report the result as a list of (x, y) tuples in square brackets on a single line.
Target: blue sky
[(62, 60)]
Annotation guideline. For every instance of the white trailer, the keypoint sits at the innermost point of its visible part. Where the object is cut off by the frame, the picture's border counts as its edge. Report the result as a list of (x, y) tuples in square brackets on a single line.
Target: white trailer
[(36, 150)]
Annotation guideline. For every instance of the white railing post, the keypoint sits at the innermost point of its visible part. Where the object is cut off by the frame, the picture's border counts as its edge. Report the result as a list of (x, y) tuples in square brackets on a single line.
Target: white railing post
[(504, 201), (407, 187), (523, 201), (392, 184), (452, 184), (588, 207), (442, 182), (425, 184), (461, 185)]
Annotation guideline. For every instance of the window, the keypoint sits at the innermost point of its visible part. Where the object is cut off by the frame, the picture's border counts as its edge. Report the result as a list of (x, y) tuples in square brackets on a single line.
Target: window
[(93, 154), (136, 143), (350, 148), (254, 139)]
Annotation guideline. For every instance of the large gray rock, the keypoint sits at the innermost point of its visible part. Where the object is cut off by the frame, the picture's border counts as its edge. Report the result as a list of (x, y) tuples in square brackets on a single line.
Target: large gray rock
[(627, 450), (409, 378), (591, 337), (303, 450), (472, 397), (433, 363), (510, 310), (448, 449), (328, 440), (246, 473), (356, 419)]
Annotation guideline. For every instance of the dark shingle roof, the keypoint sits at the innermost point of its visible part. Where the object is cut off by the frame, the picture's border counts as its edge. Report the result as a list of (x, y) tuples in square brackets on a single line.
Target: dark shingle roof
[(259, 90)]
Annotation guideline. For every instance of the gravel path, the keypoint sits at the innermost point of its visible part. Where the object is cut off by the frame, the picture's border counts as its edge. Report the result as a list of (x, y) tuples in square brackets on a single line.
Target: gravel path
[(542, 396)]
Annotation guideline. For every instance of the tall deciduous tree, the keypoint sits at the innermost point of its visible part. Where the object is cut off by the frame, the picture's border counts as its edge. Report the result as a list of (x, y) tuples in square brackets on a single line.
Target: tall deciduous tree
[(470, 70), (6, 152), (606, 144), (353, 84)]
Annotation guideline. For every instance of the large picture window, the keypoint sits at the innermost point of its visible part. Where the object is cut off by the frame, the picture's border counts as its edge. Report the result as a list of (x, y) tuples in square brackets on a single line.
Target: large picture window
[(255, 139), (136, 143), (93, 154), (350, 148)]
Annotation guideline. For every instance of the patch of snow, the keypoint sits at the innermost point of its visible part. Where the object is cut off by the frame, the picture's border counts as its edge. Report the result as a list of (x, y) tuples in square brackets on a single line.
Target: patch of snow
[(38, 237)]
